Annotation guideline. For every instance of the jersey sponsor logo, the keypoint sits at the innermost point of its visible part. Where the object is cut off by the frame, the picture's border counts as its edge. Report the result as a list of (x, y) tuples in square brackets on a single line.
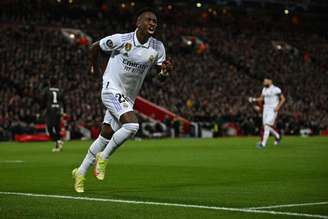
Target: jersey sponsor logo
[(133, 64), (134, 67), (128, 47), (109, 43)]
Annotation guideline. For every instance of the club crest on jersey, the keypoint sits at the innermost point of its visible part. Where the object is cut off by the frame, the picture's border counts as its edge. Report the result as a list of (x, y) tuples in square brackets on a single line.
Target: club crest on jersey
[(128, 47), (151, 59)]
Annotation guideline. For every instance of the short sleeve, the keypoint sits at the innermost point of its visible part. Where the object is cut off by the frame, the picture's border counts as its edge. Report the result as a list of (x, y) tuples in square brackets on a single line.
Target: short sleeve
[(110, 43), (278, 91), (161, 54), (262, 93)]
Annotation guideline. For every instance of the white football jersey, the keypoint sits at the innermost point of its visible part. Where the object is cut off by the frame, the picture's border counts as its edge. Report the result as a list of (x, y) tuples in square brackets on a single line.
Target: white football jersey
[(129, 62), (271, 96)]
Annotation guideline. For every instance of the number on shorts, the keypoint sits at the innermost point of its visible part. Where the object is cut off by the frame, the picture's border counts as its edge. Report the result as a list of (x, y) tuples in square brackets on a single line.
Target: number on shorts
[(120, 97)]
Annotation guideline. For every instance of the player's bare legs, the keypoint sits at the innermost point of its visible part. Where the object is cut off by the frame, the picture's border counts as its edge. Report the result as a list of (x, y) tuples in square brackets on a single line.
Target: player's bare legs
[(128, 129)]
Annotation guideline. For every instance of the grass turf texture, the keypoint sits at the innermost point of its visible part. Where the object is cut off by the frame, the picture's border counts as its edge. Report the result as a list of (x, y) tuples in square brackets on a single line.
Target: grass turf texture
[(227, 172)]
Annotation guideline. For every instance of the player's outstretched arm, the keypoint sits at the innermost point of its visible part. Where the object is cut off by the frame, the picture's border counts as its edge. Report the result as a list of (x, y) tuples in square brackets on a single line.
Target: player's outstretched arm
[(255, 99)]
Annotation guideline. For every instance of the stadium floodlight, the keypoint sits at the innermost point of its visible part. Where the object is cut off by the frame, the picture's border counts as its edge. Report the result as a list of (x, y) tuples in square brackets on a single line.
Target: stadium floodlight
[(198, 5), (286, 11)]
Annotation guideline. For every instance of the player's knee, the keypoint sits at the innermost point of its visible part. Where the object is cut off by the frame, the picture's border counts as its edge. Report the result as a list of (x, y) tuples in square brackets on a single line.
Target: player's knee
[(106, 131), (132, 128)]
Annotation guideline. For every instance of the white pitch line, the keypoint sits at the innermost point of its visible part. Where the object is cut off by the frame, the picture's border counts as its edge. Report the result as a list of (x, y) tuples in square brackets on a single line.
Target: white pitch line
[(168, 204), (289, 205), (11, 161)]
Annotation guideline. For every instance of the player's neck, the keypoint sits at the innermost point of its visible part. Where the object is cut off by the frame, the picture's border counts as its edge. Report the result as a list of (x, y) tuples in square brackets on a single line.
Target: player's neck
[(142, 38)]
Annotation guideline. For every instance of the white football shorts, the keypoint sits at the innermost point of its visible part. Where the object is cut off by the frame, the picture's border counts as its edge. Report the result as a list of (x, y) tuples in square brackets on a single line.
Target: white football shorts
[(116, 105), (269, 116)]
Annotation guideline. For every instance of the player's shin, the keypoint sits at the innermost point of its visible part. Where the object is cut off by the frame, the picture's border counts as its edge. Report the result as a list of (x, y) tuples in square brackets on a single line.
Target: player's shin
[(265, 135), (90, 157)]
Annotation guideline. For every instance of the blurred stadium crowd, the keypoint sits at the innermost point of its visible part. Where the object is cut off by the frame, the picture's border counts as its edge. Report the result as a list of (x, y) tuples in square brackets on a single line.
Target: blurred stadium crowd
[(210, 87)]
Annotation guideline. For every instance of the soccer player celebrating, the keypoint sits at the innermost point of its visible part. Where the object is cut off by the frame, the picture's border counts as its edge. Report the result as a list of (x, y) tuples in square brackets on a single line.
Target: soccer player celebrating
[(273, 100), (132, 56)]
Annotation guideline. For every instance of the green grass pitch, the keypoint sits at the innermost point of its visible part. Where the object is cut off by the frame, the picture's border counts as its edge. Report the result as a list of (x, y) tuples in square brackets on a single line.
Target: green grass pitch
[(223, 172)]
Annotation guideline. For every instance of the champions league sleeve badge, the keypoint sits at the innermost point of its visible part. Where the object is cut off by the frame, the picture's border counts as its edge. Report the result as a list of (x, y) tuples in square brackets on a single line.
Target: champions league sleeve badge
[(109, 43)]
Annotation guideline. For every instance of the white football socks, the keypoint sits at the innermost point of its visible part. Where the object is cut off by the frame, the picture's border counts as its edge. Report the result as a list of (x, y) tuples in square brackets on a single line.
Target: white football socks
[(265, 135), (126, 131), (274, 132), (89, 159)]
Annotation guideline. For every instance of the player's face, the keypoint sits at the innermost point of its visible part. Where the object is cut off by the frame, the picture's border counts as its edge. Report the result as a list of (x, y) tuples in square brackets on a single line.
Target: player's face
[(147, 23), (267, 82)]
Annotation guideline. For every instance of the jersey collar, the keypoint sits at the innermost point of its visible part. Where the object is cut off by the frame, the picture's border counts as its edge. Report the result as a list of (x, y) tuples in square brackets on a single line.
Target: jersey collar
[(137, 43)]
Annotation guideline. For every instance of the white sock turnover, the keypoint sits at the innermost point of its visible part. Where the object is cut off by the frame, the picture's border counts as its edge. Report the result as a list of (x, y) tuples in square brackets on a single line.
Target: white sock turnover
[(126, 131)]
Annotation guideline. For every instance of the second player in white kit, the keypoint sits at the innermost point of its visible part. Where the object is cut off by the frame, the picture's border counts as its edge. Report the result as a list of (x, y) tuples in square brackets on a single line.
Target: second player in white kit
[(273, 100), (132, 55), (271, 97)]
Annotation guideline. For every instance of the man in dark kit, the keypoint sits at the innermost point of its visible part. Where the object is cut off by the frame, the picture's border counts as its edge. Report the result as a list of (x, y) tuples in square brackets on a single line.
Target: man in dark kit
[(54, 104)]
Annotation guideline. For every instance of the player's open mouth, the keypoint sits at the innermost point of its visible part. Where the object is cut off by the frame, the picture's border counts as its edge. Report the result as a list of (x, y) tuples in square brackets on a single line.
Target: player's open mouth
[(151, 30)]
